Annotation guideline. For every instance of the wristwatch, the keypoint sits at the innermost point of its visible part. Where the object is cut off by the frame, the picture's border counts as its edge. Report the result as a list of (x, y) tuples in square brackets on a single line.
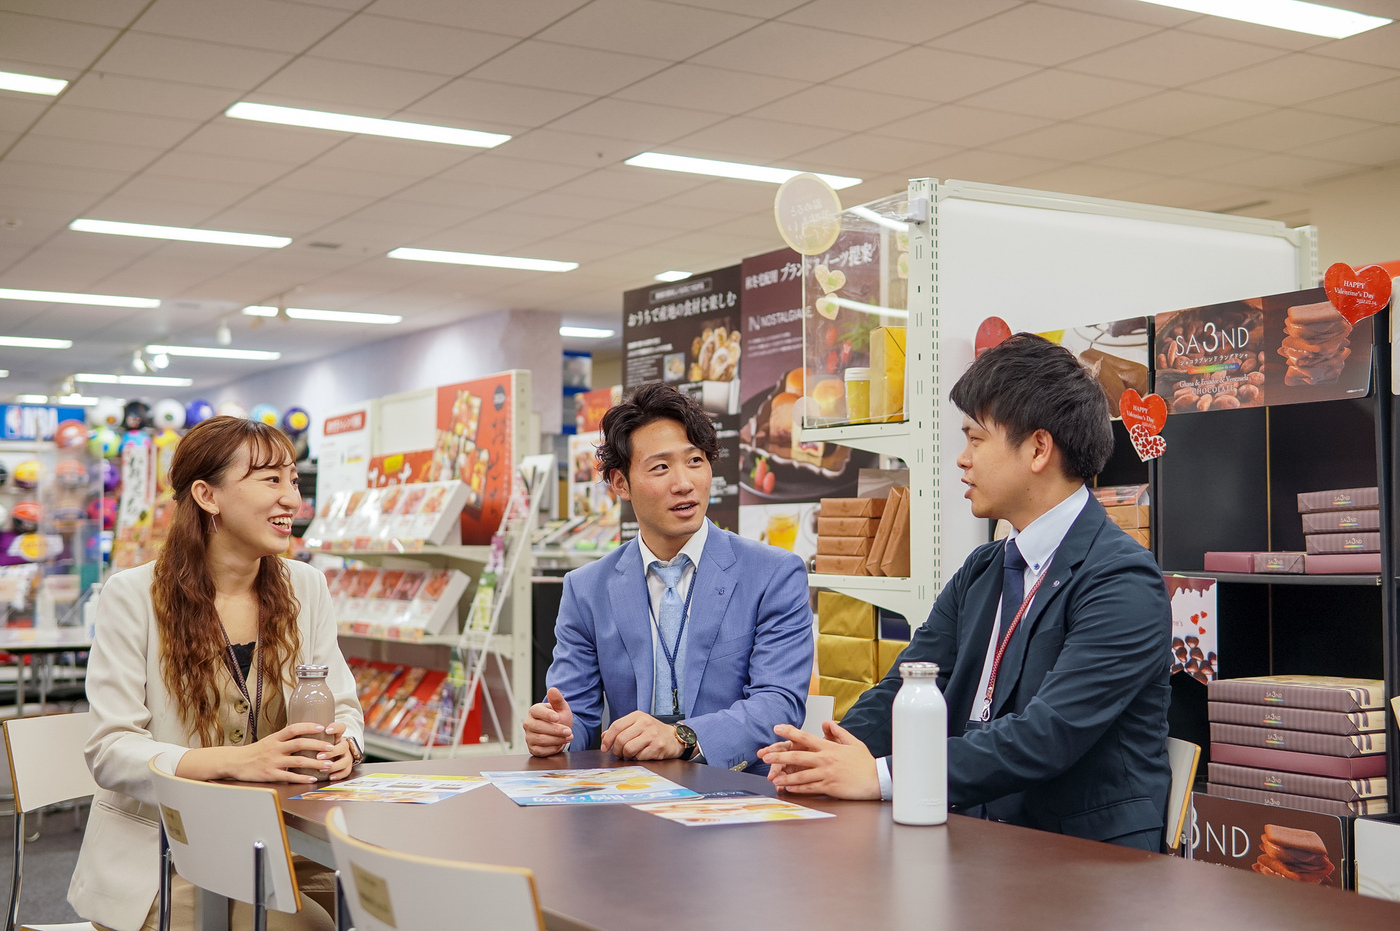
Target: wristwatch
[(686, 735), (357, 756)]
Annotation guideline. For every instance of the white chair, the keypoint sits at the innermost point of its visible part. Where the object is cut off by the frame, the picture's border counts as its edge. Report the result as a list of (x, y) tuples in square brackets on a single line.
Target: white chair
[(1184, 757), (47, 767), (386, 890), (819, 708), (207, 824)]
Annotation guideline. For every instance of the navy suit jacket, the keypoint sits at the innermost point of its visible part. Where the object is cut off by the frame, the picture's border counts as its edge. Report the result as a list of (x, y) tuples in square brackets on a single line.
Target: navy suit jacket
[(748, 646), (1077, 744)]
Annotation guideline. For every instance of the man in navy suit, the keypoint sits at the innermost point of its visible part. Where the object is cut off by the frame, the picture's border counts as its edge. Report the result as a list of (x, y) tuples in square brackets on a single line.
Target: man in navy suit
[(700, 640), (1067, 733)]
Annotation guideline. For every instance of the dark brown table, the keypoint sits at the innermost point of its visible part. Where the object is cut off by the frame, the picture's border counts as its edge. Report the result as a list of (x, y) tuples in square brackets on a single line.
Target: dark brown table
[(611, 867)]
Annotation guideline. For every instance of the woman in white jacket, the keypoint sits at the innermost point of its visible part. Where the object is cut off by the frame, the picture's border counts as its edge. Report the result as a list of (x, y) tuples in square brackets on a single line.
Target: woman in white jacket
[(194, 662)]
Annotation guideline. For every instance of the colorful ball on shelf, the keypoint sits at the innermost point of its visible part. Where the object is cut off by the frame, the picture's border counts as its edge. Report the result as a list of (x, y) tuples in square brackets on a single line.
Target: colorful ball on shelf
[(105, 444), (107, 412), (105, 510), (25, 516), (111, 475), (27, 475), (265, 413), (197, 410), (232, 409), (169, 414), (70, 434), (296, 421), (71, 473)]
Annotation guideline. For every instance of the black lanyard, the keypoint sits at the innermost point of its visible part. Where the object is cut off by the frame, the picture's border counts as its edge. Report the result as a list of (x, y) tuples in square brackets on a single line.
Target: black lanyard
[(254, 708), (671, 654)]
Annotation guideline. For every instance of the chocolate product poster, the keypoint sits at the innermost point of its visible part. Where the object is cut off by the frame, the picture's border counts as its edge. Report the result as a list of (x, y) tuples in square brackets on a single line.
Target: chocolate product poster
[(688, 334), (1194, 623), (1283, 843), (1116, 353), (1289, 348)]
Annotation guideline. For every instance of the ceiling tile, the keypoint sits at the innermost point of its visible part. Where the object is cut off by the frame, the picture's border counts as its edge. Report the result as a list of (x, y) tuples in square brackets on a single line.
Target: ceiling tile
[(1059, 95), (510, 171), (512, 19), (567, 68), (933, 74), (1295, 78), (45, 41), (842, 107), (1073, 142), (1377, 47), (1136, 12), (898, 22), (764, 8), (866, 154), (697, 209), (990, 167), (321, 177), (1174, 113), (82, 153), (106, 126), (959, 125), (394, 156), (182, 60), (1379, 102), (468, 199), (427, 218), (1088, 180), (1185, 192), (54, 177), (59, 267), (1371, 147), (103, 91), (1041, 35), (745, 139), (39, 206), (1283, 129), (1288, 172), (324, 205), (617, 233), (572, 206), (117, 13), (642, 122), (715, 89), (243, 139), (474, 102), (284, 27), (1176, 157), (1171, 58), (17, 113), (396, 43), (798, 52), (205, 192), (272, 222), (661, 30), (198, 166), (636, 185), (1234, 29), (366, 90)]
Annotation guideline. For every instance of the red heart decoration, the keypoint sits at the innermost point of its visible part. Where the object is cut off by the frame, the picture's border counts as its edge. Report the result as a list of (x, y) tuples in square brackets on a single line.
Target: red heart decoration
[(1149, 412), (1145, 440), (1357, 294)]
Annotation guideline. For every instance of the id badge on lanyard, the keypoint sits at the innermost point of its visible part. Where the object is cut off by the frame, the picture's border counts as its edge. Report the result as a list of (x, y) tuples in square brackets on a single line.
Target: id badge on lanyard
[(671, 653)]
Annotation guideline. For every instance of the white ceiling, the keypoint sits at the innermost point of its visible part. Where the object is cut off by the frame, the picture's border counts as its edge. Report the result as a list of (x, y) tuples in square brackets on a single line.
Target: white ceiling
[(1112, 98)]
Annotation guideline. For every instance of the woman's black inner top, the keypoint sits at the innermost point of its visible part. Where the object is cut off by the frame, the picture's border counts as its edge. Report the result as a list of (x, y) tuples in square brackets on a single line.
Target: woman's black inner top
[(243, 652)]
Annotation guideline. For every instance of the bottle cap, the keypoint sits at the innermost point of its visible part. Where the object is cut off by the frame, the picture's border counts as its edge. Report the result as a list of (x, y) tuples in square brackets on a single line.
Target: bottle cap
[(918, 670), (858, 373), (312, 672)]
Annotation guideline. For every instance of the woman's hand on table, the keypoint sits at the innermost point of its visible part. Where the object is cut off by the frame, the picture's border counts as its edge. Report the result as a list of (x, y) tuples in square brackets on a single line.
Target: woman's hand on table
[(271, 758), (839, 766)]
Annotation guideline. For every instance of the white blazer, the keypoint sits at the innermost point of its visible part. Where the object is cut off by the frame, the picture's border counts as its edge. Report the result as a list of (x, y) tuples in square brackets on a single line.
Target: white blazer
[(135, 719)]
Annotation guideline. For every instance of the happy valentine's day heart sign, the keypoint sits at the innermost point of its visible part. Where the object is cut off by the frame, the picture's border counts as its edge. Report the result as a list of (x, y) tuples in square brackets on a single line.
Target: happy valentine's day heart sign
[(1358, 293), (1144, 418)]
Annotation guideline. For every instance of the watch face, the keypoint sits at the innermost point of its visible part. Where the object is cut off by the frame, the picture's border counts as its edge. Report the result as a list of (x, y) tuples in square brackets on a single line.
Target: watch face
[(685, 734)]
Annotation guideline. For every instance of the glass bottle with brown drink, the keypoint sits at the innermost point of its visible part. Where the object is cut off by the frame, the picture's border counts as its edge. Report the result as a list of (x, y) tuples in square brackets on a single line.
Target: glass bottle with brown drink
[(311, 703)]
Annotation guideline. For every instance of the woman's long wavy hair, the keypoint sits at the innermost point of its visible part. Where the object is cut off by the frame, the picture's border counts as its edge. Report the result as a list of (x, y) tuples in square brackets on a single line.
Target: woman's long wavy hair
[(192, 650)]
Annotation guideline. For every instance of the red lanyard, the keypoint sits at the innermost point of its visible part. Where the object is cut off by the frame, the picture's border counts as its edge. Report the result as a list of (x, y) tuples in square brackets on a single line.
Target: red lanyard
[(1001, 650)]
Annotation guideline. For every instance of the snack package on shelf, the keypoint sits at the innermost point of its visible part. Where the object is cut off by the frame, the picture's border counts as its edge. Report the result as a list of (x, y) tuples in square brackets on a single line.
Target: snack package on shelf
[(435, 602), (850, 658), (887, 360), (1282, 562), (1342, 564), (1342, 521), (1297, 719), (378, 715), (1319, 693), (887, 654), (1118, 495), (1333, 544), (845, 616), (844, 691), (1340, 499)]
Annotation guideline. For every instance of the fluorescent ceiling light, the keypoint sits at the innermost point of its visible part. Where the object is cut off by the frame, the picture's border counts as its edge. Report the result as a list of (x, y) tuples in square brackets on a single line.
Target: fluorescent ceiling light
[(160, 380), (32, 398), (329, 316), (708, 166), (365, 125), (585, 332), (490, 261), (1293, 15), (76, 400), (202, 352), (673, 276), (67, 297), (31, 342), (4, 373), (181, 233), (30, 83)]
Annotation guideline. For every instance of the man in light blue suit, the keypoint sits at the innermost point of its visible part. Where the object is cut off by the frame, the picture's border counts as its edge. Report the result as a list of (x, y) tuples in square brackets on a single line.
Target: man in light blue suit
[(699, 640)]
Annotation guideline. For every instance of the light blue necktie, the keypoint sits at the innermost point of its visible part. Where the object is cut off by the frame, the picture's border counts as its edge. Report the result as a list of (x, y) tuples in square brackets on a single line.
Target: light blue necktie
[(668, 623)]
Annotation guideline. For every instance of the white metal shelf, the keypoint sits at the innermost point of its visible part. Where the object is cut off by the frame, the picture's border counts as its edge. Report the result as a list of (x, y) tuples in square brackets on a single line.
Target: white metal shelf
[(901, 595), (883, 439), (457, 553), (500, 643), (391, 749)]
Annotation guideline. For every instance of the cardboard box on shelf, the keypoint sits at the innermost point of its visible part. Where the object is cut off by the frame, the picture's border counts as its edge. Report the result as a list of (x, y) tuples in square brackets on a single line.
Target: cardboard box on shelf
[(1328, 544), (1291, 761), (847, 526), (882, 536), (1327, 806), (1341, 521), (845, 616), (850, 658), (1142, 536), (844, 691), (1343, 564), (1297, 719), (1339, 499), (1130, 516), (844, 546), (887, 355), (1111, 495), (1251, 777), (1299, 741), (1303, 846), (1282, 562), (840, 565), (852, 507), (894, 562), (1230, 562), (887, 653)]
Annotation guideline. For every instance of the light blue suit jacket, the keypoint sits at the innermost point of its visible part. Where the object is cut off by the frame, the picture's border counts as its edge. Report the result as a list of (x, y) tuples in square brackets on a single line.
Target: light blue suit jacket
[(748, 646)]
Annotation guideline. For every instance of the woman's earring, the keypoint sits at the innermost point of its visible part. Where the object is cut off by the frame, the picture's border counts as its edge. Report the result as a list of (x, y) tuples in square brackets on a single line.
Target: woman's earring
[(213, 527)]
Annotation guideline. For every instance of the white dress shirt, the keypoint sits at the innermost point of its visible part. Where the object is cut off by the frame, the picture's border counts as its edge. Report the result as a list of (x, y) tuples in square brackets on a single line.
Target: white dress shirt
[(1038, 543)]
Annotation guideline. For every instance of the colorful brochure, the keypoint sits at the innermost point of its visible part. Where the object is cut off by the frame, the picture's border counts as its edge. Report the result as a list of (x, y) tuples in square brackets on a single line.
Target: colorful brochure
[(719, 809), (393, 787), (624, 784)]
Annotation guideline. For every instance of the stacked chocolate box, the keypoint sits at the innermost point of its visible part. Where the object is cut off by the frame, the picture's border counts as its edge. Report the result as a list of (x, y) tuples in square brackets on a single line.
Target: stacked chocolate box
[(1342, 530), (846, 530), (1128, 507), (1315, 743)]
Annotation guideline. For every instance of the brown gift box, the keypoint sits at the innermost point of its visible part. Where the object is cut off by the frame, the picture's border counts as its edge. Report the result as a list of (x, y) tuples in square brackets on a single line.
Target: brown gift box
[(850, 658), (1319, 544), (894, 562), (1339, 499), (1142, 536), (1318, 693), (1278, 562), (1342, 521), (852, 507), (1343, 564), (845, 616), (844, 691), (847, 526), (1129, 516), (1229, 562), (845, 546), (887, 652), (841, 565), (882, 537)]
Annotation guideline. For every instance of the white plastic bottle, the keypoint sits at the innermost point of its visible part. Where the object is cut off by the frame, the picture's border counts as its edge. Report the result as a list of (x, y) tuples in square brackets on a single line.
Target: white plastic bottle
[(920, 771)]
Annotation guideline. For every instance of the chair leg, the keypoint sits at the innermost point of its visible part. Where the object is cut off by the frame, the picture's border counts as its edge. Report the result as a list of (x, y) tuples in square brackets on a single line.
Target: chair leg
[(342, 907), (165, 873), (12, 917), (259, 887)]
